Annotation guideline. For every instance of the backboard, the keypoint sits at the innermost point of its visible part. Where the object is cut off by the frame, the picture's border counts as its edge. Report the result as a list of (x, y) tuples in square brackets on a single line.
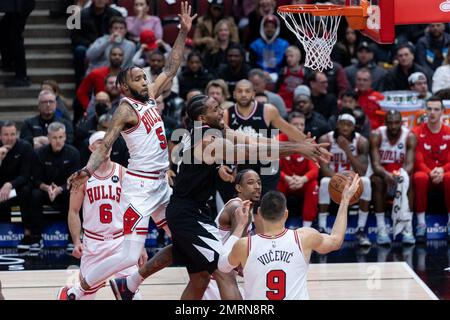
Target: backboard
[(384, 15)]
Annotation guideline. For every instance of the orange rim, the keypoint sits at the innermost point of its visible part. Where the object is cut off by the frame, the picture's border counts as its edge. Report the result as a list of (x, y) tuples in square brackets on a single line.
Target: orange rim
[(326, 9)]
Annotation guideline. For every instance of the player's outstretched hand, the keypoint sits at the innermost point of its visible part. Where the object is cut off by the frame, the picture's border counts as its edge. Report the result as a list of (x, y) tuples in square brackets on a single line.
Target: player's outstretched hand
[(350, 189), (77, 179), (242, 213), (185, 17), (77, 250), (315, 151), (226, 174)]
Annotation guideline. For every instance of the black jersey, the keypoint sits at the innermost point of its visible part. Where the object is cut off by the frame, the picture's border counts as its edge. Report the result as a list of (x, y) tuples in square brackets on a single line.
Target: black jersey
[(195, 181)]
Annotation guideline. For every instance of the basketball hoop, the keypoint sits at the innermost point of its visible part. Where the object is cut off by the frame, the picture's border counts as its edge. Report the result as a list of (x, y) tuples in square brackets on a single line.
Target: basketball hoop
[(316, 25)]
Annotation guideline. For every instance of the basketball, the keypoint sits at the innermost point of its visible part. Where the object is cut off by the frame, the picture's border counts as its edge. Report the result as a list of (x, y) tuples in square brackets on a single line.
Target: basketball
[(337, 185)]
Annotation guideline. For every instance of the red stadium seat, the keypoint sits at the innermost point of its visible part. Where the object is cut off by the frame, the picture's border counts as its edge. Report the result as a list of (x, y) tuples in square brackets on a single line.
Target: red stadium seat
[(170, 30), (127, 4)]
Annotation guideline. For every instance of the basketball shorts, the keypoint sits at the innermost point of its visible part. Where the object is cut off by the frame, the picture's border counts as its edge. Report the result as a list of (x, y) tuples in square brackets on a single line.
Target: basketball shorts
[(195, 236), (144, 195), (95, 252)]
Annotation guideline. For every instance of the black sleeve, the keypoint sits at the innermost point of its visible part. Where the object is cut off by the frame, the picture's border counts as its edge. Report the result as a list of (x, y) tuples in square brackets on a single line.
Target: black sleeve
[(388, 83), (37, 169), (26, 132), (74, 156), (69, 131), (25, 166)]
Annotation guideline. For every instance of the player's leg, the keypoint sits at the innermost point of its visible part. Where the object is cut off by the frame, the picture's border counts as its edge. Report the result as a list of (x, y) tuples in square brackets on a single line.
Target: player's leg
[(363, 213), (198, 282), (324, 203), (421, 184), (228, 286), (379, 204), (310, 195)]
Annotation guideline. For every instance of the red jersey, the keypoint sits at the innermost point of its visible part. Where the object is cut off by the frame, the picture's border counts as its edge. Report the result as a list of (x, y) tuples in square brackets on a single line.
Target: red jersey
[(297, 164), (369, 102), (432, 148)]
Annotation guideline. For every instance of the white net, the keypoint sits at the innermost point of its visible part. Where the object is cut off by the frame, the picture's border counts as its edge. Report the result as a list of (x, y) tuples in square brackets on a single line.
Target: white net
[(318, 35)]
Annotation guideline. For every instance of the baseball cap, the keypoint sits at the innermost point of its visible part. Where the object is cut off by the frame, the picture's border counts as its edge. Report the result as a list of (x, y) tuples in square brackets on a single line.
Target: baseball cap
[(364, 45), (98, 135), (416, 76), (148, 38), (302, 90), (271, 18)]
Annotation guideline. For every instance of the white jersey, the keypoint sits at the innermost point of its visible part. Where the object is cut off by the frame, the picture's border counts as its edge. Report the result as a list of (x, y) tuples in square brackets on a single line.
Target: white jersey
[(339, 161), (101, 212), (276, 268), (392, 156), (146, 141)]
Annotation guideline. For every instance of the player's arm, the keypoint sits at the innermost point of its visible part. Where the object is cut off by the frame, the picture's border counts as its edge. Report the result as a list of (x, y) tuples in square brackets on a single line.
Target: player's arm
[(73, 219), (238, 226), (176, 55), (325, 167), (375, 142), (411, 144), (324, 243), (360, 162), (274, 118)]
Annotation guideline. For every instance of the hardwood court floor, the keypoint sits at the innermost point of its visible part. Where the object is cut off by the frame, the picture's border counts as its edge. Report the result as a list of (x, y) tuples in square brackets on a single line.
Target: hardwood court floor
[(335, 281)]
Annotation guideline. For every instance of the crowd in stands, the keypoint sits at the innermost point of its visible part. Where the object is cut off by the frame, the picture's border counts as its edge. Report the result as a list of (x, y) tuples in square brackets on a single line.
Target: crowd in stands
[(231, 41)]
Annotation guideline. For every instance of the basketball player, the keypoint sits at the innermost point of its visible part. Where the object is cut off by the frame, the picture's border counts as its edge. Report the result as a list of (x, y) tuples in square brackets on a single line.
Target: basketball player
[(102, 218), (275, 260), (432, 167), (145, 189), (196, 239), (257, 119), (248, 189), (392, 147), (350, 152)]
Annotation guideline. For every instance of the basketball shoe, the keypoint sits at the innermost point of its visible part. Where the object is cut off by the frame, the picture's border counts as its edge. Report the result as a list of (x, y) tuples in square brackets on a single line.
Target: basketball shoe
[(120, 289), (63, 295), (362, 238), (382, 237), (421, 233)]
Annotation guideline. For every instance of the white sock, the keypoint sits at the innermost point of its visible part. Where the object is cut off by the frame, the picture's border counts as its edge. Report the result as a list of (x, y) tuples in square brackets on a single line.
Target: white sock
[(323, 219), (77, 291), (381, 224), (307, 224), (362, 218), (134, 281), (421, 218)]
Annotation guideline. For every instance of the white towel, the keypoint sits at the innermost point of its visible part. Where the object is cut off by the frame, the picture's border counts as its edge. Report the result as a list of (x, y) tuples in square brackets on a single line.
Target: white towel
[(401, 213)]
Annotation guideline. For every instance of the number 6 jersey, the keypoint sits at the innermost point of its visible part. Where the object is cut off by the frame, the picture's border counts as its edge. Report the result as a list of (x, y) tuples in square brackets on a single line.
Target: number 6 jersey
[(276, 268), (101, 212)]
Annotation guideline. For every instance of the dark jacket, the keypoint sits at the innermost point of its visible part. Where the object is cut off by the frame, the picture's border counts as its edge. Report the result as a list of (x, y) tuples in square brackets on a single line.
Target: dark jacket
[(231, 78), (326, 105), (396, 79), (36, 127), (429, 53), (92, 26), (317, 125), (189, 80), (377, 73), (51, 167), (16, 166)]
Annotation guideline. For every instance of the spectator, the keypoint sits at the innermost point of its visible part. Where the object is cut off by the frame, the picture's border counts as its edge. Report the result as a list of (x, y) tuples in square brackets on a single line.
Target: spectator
[(15, 174), (263, 9), (259, 80), (12, 47), (204, 30), (397, 77), (113, 93), (362, 125), (218, 89), (418, 83), (157, 61), (267, 52), (298, 175), (98, 52), (215, 55), (53, 165), (368, 98), (290, 77), (365, 59), (94, 24), (34, 129), (337, 79), (119, 150), (193, 75), (441, 77), (432, 166), (142, 20), (235, 69), (315, 123), (95, 80), (148, 44), (432, 48), (344, 51), (324, 102), (61, 101)]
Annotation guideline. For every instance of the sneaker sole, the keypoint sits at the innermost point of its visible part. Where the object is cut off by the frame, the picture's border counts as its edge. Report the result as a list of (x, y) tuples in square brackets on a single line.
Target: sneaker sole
[(115, 289), (58, 296)]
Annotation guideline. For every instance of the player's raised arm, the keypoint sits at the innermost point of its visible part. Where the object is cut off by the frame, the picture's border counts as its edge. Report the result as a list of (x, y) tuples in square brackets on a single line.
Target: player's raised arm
[(324, 243), (123, 117), (176, 55)]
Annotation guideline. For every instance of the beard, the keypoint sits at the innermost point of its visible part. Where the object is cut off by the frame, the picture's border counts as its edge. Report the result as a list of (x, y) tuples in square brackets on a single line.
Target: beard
[(136, 95)]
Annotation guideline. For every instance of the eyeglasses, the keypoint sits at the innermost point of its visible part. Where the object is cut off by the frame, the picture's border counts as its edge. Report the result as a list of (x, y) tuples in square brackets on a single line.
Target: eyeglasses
[(47, 102)]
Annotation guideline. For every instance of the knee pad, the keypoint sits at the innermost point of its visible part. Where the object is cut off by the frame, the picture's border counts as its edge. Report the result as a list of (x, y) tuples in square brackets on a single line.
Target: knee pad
[(324, 195), (367, 193)]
